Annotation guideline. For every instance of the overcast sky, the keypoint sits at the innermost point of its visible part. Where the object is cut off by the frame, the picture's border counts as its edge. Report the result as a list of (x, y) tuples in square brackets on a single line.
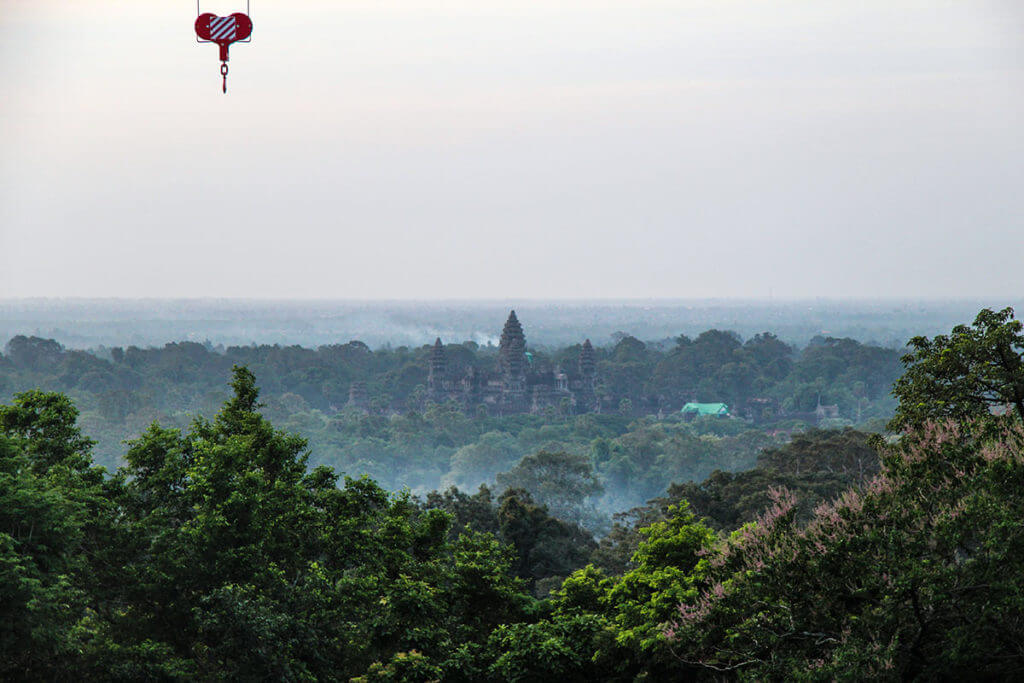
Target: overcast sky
[(514, 148)]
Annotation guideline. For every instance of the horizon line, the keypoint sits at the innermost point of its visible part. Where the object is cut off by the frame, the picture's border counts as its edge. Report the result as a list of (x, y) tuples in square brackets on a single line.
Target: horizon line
[(497, 300)]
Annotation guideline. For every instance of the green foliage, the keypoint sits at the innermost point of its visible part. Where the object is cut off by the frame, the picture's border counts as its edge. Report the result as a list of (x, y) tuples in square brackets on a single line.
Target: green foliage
[(666, 570), (563, 482), (476, 463), (845, 453), (45, 426), (221, 552), (727, 500), (915, 576), (214, 554), (477, 512), (545, 546), (402, 667), (603, 628), (642, 463), (815, 467), (52, 519), (963, 375), (406, 440), (543, 549), (560, 649)]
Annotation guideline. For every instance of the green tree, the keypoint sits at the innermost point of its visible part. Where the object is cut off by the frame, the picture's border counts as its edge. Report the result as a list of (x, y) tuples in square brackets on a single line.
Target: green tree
[(913, 577), (563, 482), (235, 562), (53, 520), (545, 546), (611, 629), (477, 463), (965, 374), (45, 426), (477, 512), (847, 453), (33, 352)]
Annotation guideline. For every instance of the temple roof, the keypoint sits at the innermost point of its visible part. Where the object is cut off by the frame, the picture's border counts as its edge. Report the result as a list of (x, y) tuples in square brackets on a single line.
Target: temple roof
[(706, 409), (437, 354), (513, 332)]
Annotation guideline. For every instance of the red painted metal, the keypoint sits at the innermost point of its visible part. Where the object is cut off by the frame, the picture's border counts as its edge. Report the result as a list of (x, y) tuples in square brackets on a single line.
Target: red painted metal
[(223, 30)]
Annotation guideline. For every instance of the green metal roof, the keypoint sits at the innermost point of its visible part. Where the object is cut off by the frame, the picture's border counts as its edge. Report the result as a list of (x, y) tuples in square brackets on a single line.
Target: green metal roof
[(706, 408)]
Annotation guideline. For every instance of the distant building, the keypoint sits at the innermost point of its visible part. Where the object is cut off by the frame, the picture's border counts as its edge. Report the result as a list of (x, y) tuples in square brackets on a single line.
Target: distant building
[(693, 410), (438, 385), (518, 383), (760, 409), (358, 397)]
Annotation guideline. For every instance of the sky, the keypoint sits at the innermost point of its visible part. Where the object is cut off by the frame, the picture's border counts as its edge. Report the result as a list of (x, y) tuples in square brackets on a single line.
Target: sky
[(413, 149)]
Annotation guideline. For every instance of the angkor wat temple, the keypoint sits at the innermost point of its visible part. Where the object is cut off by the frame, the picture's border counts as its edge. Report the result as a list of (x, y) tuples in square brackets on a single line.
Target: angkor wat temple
[(517, 384)]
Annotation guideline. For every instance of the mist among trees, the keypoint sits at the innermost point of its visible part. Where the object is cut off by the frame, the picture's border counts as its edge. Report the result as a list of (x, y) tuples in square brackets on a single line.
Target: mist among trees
[(222, 549), (638, 442)]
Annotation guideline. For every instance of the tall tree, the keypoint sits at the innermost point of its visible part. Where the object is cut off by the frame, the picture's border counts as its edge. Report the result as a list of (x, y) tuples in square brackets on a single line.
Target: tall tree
[(562, 481), (964, 374)]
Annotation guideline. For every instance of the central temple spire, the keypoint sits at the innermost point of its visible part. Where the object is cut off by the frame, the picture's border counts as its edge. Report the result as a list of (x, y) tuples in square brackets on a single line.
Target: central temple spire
[(437, 373), (512, 364), (512, 349), (513, 333)]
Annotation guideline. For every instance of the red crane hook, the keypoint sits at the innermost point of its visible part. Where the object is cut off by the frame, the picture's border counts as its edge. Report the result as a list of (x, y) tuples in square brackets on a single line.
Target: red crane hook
[(224, 31)]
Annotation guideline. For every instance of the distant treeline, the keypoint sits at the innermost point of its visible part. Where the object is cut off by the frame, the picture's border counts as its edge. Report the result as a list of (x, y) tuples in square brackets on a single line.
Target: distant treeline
[(715, 366), (402, 439), (84, 323)]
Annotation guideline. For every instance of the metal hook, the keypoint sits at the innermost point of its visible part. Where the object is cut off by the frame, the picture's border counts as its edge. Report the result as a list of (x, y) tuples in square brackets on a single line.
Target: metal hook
[(224, 73)]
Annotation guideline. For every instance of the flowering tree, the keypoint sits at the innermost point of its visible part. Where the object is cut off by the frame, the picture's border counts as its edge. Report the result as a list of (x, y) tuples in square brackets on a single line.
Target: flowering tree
[(916, 574)]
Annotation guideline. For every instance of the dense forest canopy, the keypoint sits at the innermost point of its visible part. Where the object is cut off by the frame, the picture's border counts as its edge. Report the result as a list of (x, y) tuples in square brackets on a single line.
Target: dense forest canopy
[(220, 551), (639, 443)]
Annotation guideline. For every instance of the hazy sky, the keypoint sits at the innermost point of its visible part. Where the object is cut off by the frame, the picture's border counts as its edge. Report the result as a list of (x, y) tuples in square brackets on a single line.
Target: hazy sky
[(514, 148)]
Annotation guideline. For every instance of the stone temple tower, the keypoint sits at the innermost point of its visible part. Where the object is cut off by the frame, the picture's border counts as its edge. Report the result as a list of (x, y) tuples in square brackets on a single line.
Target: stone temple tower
[(437, 374), (512, 365), (587, 396), (358, 397)]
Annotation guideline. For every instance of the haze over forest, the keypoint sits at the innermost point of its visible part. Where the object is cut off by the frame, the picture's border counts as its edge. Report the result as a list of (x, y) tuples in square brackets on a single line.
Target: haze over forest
[(349, 396), (472, 512), (85, 323)]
